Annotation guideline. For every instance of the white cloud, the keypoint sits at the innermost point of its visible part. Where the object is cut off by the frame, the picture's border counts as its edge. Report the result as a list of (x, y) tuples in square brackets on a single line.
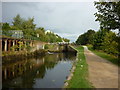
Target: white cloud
[(72, 19)]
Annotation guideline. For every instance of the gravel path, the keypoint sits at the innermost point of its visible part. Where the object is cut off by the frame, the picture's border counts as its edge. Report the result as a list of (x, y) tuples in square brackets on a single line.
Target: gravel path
[(102, 73)]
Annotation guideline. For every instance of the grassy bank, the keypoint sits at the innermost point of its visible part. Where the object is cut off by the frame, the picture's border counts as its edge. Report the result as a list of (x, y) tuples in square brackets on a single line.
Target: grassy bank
[(104, 55), (80, 74)]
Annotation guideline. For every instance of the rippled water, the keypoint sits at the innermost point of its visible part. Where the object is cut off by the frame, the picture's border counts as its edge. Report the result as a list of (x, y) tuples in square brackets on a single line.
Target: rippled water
[(49, 71)]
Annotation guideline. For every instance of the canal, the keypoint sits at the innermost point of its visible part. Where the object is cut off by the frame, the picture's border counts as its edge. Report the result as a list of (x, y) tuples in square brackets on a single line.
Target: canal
[(49, 71)]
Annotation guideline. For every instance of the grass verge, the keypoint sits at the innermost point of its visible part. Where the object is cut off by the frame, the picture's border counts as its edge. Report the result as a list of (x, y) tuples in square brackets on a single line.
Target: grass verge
[(80, 74), (104, 55)]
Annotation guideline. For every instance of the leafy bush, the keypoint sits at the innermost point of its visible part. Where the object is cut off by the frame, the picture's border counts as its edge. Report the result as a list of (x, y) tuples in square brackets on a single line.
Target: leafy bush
[(110, 44), (46, 46)]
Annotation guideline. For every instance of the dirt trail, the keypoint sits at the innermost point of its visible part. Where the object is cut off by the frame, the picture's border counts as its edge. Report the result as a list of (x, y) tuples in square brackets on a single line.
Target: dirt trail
[(102, 73)]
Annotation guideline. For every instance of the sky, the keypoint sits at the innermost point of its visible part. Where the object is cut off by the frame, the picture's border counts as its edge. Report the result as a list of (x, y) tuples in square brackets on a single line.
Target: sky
[(67, 19)]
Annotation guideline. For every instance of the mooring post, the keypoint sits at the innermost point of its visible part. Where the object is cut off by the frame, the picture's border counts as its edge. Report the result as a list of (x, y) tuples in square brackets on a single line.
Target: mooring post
[(9, 45), (5, 49), (43, 46)]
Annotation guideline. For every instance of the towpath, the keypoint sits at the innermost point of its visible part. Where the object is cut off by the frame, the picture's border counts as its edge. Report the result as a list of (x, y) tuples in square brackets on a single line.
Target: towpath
[(102, 73)]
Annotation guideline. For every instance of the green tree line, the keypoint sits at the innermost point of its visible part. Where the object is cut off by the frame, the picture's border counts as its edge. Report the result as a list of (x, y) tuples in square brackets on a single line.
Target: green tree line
[(104, 39), (30, 31)]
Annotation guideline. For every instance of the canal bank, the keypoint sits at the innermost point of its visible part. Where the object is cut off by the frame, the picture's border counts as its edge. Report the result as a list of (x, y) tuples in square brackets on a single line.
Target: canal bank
[(12, 56), (78, 77)]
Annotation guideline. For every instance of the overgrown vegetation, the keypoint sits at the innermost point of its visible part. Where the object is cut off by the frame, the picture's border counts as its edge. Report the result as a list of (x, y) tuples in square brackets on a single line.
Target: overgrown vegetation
[(30, 31), (79, 79)]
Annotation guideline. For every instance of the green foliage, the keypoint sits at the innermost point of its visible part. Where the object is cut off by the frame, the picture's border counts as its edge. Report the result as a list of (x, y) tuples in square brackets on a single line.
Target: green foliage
[(110, 44), (104, 40), (21, 45), (28, 24), (5, 29), (46, 46), (41, 34), (6, 26), (108, 14), (14, 28), (86, 38), (109, 17), (17, 21), (98, 39), (14, 48), (51, 37)]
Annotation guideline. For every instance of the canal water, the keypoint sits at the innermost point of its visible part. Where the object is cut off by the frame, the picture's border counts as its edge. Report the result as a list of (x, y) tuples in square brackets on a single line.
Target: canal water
[(49, 71)]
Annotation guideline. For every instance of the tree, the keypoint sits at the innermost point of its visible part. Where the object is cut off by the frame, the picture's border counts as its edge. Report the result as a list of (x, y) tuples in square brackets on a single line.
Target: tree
[(5, 29), (41, 32), (42, 29), (6, 26), (110, 44), (29, 24), (86, 38), (90, 35), (17, 21), (82, 39), (98, 39), (108, 15)]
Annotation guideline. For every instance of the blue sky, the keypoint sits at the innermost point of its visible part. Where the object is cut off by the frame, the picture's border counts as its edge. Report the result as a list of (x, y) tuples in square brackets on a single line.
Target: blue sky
[(67, 19)]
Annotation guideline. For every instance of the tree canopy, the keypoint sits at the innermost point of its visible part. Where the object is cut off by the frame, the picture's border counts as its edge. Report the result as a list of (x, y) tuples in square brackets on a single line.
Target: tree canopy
[(108, 15), (86, 38)]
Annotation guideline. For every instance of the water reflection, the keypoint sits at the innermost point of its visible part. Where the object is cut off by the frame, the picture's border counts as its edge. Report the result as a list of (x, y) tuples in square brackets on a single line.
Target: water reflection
[(48, 71)]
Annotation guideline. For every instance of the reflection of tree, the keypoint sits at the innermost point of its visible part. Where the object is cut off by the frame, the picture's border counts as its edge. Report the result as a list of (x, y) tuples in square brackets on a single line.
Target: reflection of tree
[(29, 77), (50, 61), (50, 65), (26, 71), (40, 73)]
